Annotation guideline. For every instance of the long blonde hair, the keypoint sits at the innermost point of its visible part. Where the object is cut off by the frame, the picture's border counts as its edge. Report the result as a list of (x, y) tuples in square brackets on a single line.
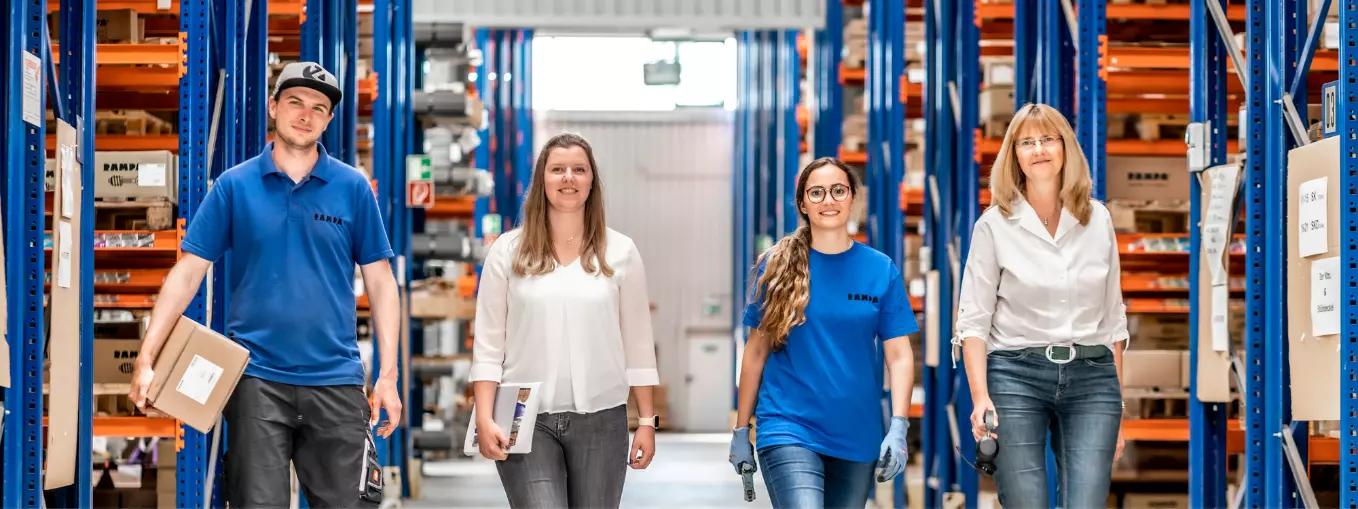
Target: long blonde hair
[(534, 255), (785, 287), (1006, 176)]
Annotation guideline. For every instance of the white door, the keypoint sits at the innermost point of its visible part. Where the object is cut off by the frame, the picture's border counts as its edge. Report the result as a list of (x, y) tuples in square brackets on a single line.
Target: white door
[(709, 380)]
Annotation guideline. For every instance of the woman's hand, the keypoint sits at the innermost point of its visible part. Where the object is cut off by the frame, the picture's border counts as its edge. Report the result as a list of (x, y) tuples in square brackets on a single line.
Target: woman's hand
[(979, 408), (492, 441), (643, 442), (1117, 454)]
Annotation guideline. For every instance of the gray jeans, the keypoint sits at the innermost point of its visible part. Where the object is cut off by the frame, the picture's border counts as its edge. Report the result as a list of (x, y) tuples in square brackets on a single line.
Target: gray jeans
[(578, 460)]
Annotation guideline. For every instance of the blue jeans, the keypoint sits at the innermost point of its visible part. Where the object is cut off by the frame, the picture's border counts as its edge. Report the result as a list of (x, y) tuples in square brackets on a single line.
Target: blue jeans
[(797, 477), (1080, 403)]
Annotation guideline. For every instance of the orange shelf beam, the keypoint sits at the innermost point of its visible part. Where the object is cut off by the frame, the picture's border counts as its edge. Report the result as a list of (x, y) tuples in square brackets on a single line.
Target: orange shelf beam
[(132, 426), (848, 75), (458, 207), (914, 196), (1178, 58), (1168, 148), (1167, 430), (1323, 451), (1121, 11), (130, 54), (138, 78), (852, 157), (168, 142)]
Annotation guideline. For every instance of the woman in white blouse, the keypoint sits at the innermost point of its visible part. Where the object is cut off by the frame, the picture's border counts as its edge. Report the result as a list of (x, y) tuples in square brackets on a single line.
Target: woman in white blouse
[(562, 301), (1041, 318)]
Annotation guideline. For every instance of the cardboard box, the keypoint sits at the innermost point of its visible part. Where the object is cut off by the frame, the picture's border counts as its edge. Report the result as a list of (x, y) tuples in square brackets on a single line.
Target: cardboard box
[(1147, 178), (996, 103), (1158, 332), (117, 26), (437, 298), (1155, 501), (196, 372), (1313, 354), (1152, 369), (136, 175), (115, 359)]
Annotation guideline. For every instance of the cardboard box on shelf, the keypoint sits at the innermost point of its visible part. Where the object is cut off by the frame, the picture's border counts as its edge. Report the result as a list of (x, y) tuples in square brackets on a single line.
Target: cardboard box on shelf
[(1155, 501), (114, 360), (136, 175), (195, 373), (1158, 331), (1314, 308), (64, 400), (438, 298), (1152, 369), (1147, 178)]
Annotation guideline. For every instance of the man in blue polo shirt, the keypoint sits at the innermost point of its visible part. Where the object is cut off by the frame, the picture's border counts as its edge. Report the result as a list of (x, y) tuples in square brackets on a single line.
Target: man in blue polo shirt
[(296, 222)]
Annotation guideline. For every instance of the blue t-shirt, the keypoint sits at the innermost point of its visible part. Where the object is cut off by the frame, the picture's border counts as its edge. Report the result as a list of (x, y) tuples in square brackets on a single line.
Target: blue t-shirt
[(823, 390), (291, 271)]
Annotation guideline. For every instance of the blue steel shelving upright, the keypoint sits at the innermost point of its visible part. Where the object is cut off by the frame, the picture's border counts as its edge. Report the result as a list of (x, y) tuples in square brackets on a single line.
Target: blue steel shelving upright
[(951, 161), (1207, 421), (23, 221), (1347, 113), (767, 154)]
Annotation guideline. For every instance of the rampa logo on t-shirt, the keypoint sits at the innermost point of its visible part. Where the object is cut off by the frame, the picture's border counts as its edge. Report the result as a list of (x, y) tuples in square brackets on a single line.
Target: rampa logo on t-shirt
[(862, 297)]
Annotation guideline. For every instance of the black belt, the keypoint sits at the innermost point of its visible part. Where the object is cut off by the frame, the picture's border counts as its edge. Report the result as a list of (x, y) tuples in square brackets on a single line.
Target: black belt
[(1061, 354)]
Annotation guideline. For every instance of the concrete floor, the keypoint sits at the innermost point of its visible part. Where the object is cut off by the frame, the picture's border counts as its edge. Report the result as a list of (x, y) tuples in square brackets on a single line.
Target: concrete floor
[(689, 471)]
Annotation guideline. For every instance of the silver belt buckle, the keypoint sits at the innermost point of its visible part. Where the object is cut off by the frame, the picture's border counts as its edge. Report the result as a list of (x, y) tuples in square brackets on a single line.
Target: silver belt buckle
[(1069, 357)]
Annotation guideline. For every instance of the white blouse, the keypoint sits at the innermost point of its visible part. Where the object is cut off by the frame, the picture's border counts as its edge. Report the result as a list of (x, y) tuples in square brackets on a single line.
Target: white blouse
[(1022, 287), (587, 338)]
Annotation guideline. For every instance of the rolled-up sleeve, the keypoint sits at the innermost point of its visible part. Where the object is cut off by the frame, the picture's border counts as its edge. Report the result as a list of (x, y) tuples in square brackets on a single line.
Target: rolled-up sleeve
[(492, 314), (634, 317), (980, 286), (1113, 325)]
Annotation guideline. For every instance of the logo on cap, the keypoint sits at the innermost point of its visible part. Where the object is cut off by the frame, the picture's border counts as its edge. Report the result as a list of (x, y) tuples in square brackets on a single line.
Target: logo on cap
[(311, 71)]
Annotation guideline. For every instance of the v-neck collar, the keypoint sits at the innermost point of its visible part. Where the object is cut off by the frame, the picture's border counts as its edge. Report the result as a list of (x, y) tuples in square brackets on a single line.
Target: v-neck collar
[(1029, 220)]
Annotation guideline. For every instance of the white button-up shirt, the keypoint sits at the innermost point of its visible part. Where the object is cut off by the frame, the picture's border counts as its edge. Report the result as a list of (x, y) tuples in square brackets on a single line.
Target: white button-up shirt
[(1024, 287), (587, 338)]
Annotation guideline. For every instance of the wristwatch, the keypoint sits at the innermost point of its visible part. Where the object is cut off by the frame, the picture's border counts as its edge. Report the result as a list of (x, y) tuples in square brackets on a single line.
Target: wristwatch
[(653, 422)]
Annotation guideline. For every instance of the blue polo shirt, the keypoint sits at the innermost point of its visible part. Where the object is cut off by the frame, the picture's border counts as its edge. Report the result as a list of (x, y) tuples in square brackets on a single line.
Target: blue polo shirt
[(291, 274), (823, 390)]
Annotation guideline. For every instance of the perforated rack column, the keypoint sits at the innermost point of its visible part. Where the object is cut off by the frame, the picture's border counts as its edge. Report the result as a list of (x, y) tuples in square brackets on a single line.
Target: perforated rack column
[(1347, 111), (194, 121), (1207, 421), (24, 208)]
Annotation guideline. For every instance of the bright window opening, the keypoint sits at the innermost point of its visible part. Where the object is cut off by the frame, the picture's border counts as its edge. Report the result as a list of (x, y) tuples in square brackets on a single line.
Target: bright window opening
[(606, 74)]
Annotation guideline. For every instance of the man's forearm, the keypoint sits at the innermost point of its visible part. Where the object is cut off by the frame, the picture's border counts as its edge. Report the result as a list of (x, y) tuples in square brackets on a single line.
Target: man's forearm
[(179, 289), (386, 309)]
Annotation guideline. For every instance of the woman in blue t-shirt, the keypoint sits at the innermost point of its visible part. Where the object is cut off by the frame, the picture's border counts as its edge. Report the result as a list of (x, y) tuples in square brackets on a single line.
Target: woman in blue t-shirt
[(811, 372)]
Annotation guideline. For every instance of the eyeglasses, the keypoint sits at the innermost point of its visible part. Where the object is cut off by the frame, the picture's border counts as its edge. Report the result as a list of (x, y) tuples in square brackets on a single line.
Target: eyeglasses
[(1029, 143), (817, 194)]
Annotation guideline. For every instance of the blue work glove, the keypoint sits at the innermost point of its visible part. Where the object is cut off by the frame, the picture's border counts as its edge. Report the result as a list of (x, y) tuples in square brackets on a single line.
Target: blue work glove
[(742, 451), (891, 459)]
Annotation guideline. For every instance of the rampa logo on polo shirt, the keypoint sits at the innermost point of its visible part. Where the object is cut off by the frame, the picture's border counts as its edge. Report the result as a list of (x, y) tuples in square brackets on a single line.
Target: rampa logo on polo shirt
[(328, 219), (862, 297)]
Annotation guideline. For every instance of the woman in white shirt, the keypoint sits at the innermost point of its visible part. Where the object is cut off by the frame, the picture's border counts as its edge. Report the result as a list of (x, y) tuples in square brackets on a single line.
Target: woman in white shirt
[(1041, 318), (563, 301)]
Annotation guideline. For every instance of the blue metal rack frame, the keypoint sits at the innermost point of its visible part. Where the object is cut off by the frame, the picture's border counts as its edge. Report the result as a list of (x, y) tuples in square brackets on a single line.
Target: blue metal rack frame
[(1346, 111), (24, 206), (827, 122), (1207, 421)]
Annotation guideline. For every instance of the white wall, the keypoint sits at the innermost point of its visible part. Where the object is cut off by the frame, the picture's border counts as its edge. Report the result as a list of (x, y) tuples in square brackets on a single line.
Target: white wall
[(667, 180)]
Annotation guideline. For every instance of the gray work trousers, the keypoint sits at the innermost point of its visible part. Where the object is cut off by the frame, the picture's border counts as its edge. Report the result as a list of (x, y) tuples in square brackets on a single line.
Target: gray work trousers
[(578, 460)]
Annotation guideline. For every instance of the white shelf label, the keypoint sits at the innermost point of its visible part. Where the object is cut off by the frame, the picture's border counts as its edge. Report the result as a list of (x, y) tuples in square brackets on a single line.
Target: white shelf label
[(64, 254), (151, 175), (1325, 296), (33, 110), (1312, 232), (1221, 332)]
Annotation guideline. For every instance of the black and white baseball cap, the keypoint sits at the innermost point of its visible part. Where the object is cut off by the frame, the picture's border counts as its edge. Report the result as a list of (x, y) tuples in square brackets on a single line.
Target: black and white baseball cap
[(310, 75)]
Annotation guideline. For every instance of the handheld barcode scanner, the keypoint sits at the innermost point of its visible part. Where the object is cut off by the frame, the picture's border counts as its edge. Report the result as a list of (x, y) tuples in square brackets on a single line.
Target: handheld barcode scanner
[(987, 448), (747, 478)]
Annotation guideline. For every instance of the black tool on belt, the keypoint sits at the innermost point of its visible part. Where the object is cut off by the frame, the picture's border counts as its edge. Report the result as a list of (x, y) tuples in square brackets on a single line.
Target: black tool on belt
[(987, 448)]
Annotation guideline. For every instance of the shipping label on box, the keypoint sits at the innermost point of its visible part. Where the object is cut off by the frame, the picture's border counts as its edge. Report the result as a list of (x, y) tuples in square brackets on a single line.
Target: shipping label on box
[(136, 175)]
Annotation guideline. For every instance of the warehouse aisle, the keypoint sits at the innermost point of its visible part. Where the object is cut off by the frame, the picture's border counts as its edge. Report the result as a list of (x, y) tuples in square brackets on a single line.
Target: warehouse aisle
[(690, 471)]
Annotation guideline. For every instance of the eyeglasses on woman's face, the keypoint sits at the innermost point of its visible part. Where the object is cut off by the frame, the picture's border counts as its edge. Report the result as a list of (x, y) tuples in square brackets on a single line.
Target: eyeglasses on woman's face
[(817, 194), (1031, 143)]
